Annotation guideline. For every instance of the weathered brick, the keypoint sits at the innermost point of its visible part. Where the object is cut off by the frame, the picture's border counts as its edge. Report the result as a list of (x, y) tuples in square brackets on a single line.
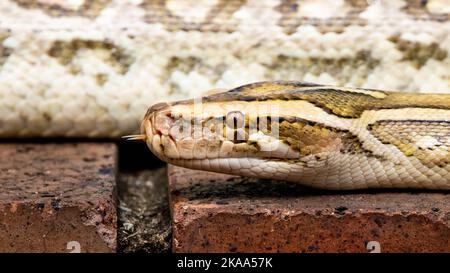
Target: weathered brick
[(220, 213), (53, 194)]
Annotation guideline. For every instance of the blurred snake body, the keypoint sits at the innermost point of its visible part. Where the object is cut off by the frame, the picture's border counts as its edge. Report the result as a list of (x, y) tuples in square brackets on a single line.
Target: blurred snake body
[(317, 135), (91, 68)]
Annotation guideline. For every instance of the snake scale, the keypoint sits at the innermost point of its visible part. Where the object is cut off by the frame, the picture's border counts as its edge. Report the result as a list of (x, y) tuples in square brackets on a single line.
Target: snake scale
[(91, 68)]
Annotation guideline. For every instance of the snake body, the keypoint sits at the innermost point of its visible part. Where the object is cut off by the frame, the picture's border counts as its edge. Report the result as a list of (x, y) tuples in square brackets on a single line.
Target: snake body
[(317, 135)]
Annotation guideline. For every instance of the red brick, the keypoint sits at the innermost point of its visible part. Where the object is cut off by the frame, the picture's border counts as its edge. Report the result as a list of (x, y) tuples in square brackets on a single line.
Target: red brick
[(220, 213), (52, 194)]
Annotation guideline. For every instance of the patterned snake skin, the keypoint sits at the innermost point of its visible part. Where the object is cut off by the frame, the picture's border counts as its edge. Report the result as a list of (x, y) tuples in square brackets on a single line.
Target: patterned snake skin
[(317, 135), (91, 68)]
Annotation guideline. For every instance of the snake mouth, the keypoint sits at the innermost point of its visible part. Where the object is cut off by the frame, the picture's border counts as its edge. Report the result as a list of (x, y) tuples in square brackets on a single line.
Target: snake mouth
[(174, 139)]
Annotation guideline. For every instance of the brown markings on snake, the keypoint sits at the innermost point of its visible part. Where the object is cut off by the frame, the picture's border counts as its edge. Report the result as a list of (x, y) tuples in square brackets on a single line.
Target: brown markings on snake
[(66, 52), (89, 8), (5, 52), (337, 101), (253, 91), (418, 54), (291, 19), (218, 19), (268, 87), (306, 137), (421, 10), (310, 138), (291, 67), (333, 101), (428, 141)]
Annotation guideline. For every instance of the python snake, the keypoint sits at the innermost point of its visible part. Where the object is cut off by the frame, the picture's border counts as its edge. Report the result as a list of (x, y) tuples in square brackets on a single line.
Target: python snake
[(90, 69), (317, 135)]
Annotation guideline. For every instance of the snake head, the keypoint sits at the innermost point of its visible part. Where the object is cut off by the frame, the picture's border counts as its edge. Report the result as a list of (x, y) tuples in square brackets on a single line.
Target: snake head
[(234, 133)]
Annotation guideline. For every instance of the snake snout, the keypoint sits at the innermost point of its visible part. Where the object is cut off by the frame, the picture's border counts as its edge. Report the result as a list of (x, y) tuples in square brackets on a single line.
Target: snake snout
[(156, 126), (157, 119)]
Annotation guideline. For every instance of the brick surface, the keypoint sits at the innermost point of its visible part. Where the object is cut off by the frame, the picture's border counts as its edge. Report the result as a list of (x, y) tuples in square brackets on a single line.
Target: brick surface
[(54, 194), (221, 213)]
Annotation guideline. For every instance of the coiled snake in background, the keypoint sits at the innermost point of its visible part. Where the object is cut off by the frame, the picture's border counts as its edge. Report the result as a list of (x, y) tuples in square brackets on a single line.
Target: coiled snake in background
[(91, 68)]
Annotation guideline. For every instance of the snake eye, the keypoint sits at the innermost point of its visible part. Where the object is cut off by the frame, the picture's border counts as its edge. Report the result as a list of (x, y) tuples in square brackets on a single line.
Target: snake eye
[(235, 119)]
